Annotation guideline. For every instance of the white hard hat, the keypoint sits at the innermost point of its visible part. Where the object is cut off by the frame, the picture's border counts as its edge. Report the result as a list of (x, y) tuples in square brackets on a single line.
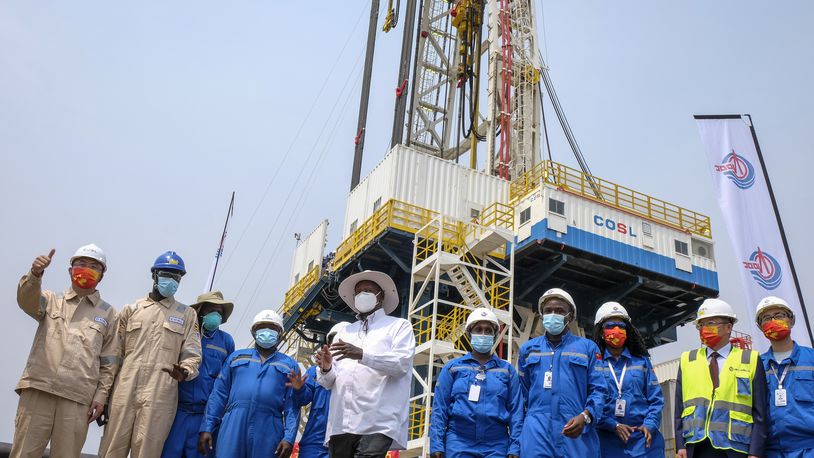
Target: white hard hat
[(768, 302), (609, 309), (336, 328), (90, 251), (715, 307), (268, 316), (556, 292), (481, 314)]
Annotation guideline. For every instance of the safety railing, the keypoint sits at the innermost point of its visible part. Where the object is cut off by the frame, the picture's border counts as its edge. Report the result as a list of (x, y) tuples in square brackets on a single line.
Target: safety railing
[(297, 292), (395, 214), (608, 193), (447, 327), (415, 430)]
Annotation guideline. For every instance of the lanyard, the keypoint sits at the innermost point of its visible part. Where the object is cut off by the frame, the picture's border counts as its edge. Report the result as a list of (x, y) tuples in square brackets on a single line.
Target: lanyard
[(782, 376), (619, 380)]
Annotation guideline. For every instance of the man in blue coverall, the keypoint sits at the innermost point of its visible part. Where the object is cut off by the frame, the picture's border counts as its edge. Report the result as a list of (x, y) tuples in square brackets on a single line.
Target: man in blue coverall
[(216, 345), (477, 407), (790, 375), (563, 389), (250, 400), (308, 391)]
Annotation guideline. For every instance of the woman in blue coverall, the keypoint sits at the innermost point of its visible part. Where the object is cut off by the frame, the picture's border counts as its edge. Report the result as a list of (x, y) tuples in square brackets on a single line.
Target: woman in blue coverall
[(630, 423), (477, 408), (251, 402)]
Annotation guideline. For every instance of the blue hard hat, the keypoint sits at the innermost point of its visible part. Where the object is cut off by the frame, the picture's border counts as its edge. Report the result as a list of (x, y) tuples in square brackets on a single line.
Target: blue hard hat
[(169, 261)]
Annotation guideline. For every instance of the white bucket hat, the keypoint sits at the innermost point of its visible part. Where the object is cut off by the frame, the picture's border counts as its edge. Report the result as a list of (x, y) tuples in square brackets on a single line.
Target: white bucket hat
[(347, 289)]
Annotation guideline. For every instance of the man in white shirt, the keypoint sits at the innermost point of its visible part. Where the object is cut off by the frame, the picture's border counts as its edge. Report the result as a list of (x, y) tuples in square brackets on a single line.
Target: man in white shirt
[(368, 370)]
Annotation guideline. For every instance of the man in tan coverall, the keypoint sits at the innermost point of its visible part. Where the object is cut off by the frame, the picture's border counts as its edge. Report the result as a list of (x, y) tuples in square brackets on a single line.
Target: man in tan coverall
[(160, 345), (73, 359)]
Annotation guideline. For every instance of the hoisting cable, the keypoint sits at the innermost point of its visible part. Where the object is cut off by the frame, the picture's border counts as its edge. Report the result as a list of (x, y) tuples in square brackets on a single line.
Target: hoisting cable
[(328, 77)]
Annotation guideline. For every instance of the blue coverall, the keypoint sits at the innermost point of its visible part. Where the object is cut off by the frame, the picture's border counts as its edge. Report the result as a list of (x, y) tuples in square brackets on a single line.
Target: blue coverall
[(644, 402), (791, 432), (487, 428), (313, 436), (192, 396), (577, 386), (252, 405)]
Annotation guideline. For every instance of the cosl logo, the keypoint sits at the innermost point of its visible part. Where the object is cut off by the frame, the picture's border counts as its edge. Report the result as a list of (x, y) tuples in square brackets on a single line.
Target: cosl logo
[(612, 225)]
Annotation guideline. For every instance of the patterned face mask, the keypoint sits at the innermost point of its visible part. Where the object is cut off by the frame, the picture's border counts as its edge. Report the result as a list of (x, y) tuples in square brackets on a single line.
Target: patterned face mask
[(615, 337), (776, 330), (84, 277)]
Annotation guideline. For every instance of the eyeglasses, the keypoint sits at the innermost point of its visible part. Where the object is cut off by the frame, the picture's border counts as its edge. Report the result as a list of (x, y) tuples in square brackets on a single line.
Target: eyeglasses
[(88, 264), (166, 274), (774, 316), (614, 324), (711, 323)]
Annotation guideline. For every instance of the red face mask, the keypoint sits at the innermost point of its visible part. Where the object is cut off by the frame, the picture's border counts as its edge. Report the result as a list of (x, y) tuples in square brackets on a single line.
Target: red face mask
[(710, 336), (776, 330), (85, 278), (615, 337)]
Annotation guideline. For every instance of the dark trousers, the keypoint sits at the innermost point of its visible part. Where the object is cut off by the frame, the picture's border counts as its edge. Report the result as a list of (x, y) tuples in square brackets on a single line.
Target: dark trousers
[(358, 446), (704, 449)]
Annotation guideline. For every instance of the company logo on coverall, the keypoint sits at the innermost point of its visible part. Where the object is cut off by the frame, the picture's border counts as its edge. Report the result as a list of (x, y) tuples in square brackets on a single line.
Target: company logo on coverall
[(738, 170), (612, 225), (764, 269)]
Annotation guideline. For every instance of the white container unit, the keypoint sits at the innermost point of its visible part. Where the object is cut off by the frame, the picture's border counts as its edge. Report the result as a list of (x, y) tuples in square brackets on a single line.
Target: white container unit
[(425, 181), (553, 214), (308, 253)]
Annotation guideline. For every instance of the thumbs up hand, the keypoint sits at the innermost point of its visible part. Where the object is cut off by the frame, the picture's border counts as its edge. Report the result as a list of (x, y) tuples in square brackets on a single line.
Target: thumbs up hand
[(41, 262)]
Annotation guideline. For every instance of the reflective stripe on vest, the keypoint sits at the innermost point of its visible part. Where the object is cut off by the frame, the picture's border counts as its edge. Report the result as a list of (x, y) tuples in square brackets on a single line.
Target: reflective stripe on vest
[(725, 417)]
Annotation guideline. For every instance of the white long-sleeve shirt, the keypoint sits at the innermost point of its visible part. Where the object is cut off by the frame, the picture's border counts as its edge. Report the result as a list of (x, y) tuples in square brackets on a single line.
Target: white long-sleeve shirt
[(372, 395)]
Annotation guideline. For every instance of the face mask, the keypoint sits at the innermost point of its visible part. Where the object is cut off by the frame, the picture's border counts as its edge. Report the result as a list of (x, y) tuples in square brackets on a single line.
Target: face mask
[(266, 338), (710, 336), (776, 330), (365, 302), (615, 337), (211, 321), (84, 277), (482, 343), (554, 324), (166, 286)]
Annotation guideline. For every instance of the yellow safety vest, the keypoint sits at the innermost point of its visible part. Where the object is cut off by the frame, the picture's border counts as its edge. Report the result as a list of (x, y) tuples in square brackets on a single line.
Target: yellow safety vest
[(725, 414)]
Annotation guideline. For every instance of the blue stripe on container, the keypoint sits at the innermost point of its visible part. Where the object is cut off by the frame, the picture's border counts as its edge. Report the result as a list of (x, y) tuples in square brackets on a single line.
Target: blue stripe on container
[(622, 252)]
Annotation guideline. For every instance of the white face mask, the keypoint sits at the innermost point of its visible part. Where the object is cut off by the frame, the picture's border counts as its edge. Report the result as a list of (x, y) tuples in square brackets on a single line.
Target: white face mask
[(365, 302)]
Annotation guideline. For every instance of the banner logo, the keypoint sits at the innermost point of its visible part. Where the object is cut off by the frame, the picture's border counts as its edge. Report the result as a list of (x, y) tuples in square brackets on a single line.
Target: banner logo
[(738, 170), (764, 269)]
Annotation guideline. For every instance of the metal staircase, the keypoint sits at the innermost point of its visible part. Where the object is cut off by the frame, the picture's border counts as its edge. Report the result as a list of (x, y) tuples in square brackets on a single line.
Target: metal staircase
[(474, 260)]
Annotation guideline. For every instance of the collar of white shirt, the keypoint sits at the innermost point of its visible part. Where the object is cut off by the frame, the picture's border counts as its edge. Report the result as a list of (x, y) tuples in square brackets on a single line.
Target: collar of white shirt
[(377, 314), (722, 353)]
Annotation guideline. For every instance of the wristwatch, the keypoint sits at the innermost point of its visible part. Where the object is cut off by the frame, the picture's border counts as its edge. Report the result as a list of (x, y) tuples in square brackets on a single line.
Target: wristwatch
[(587, 418)]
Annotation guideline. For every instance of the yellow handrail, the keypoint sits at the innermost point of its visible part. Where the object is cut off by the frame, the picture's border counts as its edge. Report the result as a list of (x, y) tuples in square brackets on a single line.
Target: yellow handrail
[(608, 193), (297, 292)]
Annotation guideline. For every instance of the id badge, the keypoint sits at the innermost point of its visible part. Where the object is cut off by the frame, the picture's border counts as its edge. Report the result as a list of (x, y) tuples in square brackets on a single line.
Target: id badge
[(548, 378), (620, 407), (780, 397), (474, 393)]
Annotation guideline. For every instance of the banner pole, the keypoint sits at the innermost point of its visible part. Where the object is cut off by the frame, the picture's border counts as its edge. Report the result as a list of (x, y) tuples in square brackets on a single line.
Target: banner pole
[(780, 226)]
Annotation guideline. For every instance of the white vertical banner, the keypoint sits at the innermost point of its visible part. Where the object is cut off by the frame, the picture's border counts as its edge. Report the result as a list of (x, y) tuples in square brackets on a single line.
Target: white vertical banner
[(746, 202)]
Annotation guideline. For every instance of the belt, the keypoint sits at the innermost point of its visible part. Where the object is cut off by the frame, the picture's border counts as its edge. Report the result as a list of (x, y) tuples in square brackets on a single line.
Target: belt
[(252, 405)]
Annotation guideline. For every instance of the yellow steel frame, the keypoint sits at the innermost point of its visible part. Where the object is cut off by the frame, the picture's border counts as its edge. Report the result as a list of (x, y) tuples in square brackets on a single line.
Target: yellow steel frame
[(297, 292), (414, 219), (395, 214), (608, 193)]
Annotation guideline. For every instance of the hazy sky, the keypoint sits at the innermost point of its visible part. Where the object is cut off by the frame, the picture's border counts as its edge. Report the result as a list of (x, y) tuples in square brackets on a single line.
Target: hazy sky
[(130, 125)]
